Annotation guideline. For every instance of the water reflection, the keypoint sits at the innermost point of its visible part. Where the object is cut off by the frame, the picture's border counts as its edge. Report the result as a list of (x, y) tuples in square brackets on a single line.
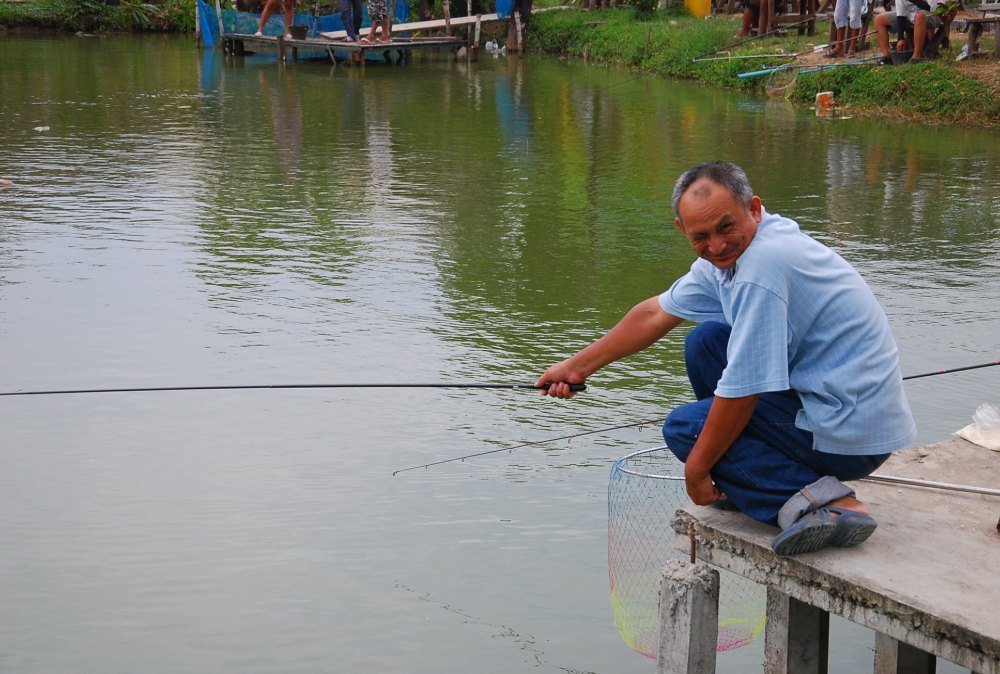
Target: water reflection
[(190, 219)]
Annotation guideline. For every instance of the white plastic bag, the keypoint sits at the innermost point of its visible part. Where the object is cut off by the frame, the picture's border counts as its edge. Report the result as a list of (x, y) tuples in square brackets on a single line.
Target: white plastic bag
[(985, 428)]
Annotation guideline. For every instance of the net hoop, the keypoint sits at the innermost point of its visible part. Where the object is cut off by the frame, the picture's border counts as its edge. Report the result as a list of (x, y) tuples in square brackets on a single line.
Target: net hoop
[(645, 489)]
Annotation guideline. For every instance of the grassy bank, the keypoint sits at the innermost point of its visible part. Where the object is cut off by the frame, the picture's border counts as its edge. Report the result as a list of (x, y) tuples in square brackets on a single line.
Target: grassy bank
[(99, 15), (664, 43)]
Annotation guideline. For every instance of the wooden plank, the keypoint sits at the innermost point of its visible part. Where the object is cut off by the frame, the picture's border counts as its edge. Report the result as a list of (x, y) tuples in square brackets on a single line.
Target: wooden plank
[(344, 45), (438, 24), (420, 25)]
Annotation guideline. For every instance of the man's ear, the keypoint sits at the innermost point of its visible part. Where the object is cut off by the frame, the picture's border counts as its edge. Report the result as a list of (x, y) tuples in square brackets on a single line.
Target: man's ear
[(678, 225), (756, 209)]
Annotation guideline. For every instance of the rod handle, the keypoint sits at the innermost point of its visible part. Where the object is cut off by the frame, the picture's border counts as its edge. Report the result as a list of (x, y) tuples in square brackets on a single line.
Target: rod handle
[(572, 387)]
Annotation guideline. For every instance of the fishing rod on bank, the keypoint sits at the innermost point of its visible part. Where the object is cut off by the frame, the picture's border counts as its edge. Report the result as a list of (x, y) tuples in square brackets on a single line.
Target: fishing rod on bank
[(573, 387), (644, 423), (785, 27)]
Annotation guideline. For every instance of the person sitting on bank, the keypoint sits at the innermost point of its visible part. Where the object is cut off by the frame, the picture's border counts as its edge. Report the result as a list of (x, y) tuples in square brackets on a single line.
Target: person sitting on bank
[(918, 16), (289, 6), (793, 365), (378, 12), (847, 17)]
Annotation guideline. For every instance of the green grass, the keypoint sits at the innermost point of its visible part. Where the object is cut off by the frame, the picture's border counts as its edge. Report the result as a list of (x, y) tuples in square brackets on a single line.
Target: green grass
[(665, 43), (100, 15), (931, 91)]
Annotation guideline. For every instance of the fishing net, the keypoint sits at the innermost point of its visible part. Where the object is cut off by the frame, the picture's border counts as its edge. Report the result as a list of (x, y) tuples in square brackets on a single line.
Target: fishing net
[(780, 81), (646, 489)]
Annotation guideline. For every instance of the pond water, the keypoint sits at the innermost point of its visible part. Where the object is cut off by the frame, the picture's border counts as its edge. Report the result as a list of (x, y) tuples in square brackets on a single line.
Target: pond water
[(182, 219)]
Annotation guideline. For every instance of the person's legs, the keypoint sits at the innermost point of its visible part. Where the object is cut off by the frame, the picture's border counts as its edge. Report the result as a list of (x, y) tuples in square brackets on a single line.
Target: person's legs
[(705, 356), (883, 22), (266, 14), (840, 19), (855, 17), (747, 21), (919, 36), (347, 18), (289, 8), (358, 15), (773, 459)]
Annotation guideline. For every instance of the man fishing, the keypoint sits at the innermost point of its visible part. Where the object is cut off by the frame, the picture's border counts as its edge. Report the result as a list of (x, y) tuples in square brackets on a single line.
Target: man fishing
[(793, 365)]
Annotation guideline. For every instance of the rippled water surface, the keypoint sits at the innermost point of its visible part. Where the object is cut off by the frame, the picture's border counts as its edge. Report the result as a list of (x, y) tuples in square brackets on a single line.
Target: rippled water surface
[(181, 219)]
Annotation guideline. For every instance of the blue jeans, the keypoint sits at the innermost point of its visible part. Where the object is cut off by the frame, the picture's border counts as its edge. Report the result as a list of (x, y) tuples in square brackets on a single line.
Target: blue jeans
[(772, 458), (350, 15)]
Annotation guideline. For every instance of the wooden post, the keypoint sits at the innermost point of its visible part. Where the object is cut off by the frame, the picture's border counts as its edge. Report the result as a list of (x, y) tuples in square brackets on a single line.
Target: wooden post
[(797, 636), (895, 657), (689, 618), (517, 29), (474, 49), (281, 47), (468, 28), (197, 25), (218, 15), (447, 17)]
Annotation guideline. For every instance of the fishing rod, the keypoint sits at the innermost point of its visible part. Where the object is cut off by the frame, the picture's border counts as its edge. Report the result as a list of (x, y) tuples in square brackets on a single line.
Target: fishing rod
[(827, 66), (572, 387), (809, 67), (640, 425), (785, 27), (645, 423), (956, 369), (739, 57)]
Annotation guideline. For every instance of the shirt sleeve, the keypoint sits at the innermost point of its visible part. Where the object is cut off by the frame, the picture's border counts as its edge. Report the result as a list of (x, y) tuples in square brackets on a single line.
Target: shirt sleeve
[(758, 345), (694, 297)]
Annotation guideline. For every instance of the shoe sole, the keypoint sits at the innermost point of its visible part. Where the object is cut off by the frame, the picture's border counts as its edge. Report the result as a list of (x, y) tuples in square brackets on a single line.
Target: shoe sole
[(807, 537)]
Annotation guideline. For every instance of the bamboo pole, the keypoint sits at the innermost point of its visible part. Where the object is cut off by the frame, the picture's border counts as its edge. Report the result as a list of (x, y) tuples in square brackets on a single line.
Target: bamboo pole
[(474, 50), (517, 29), (197, 25), (218, 16)]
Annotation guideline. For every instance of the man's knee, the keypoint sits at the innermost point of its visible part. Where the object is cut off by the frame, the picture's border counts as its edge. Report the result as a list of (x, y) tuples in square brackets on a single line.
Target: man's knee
[(705, 334), (682, 427)]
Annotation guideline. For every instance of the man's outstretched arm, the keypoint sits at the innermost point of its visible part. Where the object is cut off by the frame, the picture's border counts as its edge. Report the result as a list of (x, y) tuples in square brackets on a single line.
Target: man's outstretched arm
[(645, 323)]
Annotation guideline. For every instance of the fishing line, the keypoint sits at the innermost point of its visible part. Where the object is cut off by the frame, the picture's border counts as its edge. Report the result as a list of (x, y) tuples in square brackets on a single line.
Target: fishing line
[(572, 387), (645, 423), (528, 444)]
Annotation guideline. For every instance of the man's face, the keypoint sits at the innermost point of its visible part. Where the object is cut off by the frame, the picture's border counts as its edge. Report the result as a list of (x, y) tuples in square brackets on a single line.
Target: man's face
[(717, 225)]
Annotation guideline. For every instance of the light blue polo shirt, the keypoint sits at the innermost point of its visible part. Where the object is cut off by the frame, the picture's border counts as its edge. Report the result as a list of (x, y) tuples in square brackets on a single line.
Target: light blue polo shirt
[(803, 318)]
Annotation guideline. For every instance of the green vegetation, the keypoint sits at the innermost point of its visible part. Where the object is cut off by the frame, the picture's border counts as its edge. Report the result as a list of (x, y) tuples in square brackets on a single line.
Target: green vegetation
[(665, 43), (100, 15), (932, 92)]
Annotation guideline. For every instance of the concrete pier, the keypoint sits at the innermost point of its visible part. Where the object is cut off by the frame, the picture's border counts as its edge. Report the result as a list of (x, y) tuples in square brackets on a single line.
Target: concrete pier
[(927, 581), (689, 615)]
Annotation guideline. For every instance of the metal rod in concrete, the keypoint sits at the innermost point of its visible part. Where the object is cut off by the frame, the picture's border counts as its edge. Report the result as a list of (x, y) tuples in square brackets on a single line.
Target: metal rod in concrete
[(930, 484)]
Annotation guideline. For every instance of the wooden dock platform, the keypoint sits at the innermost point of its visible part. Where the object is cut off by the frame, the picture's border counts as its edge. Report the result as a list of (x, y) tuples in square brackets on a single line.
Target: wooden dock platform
[(287, 46), (927, 581)]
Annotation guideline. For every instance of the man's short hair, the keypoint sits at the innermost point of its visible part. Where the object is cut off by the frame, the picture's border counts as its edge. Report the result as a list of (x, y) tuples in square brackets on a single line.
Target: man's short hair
[(729, 175)]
